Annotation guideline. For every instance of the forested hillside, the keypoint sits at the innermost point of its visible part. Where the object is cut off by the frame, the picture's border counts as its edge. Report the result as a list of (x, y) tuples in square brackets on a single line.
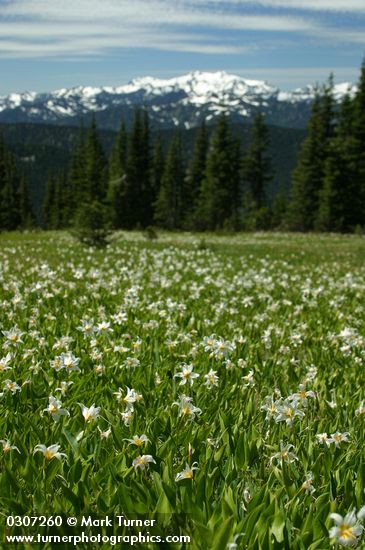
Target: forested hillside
[(41, 150)]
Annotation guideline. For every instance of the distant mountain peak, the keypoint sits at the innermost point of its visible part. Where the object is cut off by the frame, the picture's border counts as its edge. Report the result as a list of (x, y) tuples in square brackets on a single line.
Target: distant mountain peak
[(182, 100)]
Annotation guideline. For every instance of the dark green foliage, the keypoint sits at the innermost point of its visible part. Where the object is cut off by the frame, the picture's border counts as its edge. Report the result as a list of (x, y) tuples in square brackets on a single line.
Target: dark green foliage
[(170, 203), (158, 166), (329, 184), (50, 205), (92, 224), (195, 176), (118, 157), (15, 209), (256, 176), (308, 177), (138, 193), (219, 198), (337, 209), (117, 178), (96, 168), (279, 209)]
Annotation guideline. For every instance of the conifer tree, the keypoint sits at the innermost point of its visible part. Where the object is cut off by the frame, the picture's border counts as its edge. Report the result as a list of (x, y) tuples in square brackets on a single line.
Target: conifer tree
[(219, 200), (96, 174), (157, 168), (170, 200), (279, 209), (92, 218), (337, 208), (256, 175), (359, 150), (137, 208), (118, 157), (77, 184), (117, 178), (49, 203), (25, 208), (10, 191), (195, 176), (308, 177)]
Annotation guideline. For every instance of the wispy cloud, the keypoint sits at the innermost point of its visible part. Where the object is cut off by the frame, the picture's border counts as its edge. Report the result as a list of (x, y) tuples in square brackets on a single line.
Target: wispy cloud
[(41, 28)]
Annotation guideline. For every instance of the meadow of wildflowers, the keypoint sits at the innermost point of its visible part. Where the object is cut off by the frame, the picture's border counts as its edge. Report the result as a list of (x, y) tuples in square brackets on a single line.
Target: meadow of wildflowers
[(217, 383)]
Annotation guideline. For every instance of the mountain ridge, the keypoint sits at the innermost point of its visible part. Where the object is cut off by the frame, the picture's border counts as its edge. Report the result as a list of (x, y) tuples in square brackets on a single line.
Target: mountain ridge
[(177, 102)]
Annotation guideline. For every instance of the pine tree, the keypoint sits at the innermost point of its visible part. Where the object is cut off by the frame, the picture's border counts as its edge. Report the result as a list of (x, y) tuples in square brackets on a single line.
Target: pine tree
[(337, 210), (76, 177), (359, 150), (157, 169), (195, 176), (10, 186), (137, 208), (96, 174), (219, 200), (25, 208), (92, 217), (118, 178), (118, 157), (279, 209), (256, 175), (49, 203), (308, 177), (170, 200)]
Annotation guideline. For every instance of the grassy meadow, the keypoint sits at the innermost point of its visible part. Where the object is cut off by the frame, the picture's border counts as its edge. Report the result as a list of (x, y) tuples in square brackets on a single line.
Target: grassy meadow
[(216, 383)]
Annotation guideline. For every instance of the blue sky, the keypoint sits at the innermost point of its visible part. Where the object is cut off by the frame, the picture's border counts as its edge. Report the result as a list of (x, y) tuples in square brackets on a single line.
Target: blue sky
[(51, 44)]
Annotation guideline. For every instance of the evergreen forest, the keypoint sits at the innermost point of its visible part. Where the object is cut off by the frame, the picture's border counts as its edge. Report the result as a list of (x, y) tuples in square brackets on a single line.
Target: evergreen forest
[(142, 181)]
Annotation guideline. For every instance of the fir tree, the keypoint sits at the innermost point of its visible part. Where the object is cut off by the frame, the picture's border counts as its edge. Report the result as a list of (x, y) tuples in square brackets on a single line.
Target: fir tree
[(118, 178), (337, 209), (49, 203), (96, 174), (359, 150), (279, 209), (25, 208), (308, 177), (157, 168), (76, 178), (218, 206), (137, 208), (195, 176), (118, 157), (10, 192), (170, 200), (92, 217), (256, 175)]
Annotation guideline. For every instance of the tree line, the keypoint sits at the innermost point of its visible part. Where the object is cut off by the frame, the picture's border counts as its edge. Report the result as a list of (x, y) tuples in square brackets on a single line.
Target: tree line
[(15, 207), (220, 187)]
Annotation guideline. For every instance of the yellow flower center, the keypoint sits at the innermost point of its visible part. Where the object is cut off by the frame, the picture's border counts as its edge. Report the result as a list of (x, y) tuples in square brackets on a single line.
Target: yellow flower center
[(289, 412), (346, 531), (48, 455)]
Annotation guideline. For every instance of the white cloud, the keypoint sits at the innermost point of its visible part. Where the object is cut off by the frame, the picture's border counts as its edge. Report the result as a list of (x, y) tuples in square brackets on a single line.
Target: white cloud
[(43, 28)]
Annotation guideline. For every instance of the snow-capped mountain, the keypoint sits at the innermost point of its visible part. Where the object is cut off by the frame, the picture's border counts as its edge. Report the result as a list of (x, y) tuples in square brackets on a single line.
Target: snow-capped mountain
[(182, 101)]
